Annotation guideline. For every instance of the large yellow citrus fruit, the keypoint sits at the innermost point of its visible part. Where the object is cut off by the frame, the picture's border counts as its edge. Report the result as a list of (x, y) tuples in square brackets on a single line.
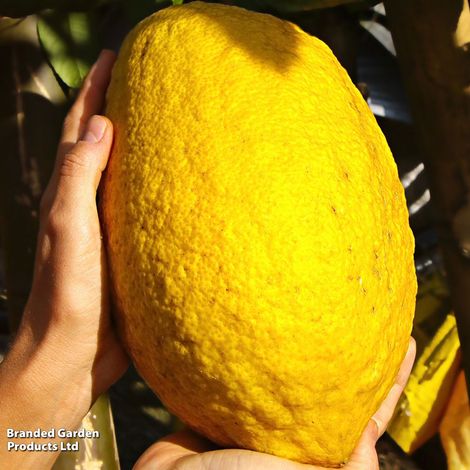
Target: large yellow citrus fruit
[(257, 232)]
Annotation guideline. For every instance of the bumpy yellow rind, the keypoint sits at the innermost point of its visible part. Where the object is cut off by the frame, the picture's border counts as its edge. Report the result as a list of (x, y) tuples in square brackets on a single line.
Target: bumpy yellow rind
[(257, 232)]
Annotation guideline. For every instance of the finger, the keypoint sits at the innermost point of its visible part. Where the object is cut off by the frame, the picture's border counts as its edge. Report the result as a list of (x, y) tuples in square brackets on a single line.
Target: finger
[(186, 450), (384, 414), (171, 449), (364, 456), (109, 366), (236, 459), (79, 171), (90, 99)]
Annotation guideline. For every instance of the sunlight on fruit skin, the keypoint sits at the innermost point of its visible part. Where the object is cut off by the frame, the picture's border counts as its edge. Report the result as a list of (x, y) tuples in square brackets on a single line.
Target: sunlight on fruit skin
[(257, 233)]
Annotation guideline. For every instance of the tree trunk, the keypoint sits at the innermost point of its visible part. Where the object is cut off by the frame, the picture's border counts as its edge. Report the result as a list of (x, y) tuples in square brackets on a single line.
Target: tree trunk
[(432, 39)]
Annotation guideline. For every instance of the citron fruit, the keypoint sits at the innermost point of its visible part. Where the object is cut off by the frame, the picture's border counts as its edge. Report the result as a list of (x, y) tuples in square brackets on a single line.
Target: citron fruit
[(257, 233)]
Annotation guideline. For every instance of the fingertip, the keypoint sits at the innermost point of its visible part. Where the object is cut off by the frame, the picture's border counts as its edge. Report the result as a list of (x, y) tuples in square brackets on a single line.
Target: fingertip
[(103, 141), (95, 129), (106, 57), (408, 361), (107, 54), (91, 97)]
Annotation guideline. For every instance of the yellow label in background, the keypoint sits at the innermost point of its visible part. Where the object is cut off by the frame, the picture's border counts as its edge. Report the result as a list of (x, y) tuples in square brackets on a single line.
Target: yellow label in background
[(455, 428), (427, 393)]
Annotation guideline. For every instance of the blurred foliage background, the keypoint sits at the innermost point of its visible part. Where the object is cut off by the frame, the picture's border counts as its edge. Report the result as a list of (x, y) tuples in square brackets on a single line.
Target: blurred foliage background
[(411, 61)]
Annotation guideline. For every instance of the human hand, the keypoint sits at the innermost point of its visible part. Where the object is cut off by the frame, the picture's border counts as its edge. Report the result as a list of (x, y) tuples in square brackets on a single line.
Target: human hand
[(66, 352), (186, 450)]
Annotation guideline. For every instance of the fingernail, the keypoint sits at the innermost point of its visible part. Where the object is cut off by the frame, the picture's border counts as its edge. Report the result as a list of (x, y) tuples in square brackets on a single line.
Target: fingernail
[(95, 130)]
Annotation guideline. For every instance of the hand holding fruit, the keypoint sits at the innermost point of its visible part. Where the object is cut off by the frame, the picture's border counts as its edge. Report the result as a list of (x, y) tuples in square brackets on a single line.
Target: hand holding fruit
[(66, 352)]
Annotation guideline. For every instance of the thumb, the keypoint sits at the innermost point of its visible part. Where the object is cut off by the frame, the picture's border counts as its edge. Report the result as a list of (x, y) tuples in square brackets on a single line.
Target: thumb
[(79, 169)]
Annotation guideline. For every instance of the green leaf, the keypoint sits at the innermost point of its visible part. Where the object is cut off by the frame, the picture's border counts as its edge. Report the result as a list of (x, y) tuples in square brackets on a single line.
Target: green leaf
[(17, 8), (69, 41), (177, 2)]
